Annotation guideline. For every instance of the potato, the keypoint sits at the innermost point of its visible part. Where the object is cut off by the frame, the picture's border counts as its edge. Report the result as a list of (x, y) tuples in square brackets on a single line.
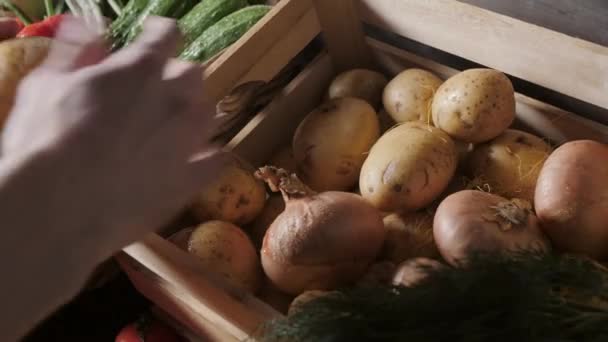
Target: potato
[(331, 143), (364, 84), (284, 159), (475, 105), (235, 196), (572, 198), (408, 96), (509, 164), (409, 236), (17, 58), (408, 167), (181, 238), (226, 250)]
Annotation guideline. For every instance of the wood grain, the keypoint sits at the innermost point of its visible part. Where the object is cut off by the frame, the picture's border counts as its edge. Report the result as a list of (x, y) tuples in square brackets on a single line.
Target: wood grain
[(586, 19), (343, 33), (281, 34), (550, 59), (275, 125)]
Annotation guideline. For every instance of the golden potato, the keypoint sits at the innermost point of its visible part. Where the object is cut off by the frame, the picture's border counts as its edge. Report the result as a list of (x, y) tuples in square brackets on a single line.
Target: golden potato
[(360, 83), (235, 196), (408, 167), (408, 96), (509, 164), (475, 105), (17, 58), (224, 249), (304, 298), (332, 142)]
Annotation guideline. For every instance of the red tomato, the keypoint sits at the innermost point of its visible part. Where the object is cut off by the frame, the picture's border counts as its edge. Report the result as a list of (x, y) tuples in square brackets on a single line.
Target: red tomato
[(46, 28), (148, 329)]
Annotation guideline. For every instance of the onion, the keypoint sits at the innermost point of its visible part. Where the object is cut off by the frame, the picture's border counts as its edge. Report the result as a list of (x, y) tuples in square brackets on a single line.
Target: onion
[(472, 221), (572, 198), (322, 240), (413, 272)]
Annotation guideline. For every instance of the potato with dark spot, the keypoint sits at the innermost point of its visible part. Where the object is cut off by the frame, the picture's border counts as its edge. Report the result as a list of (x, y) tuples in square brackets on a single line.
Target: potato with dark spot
[(509, 165), (332, 142), (408, 96), (225, 250), (409, 166), (235, 196), (475, 105), (364, 84)]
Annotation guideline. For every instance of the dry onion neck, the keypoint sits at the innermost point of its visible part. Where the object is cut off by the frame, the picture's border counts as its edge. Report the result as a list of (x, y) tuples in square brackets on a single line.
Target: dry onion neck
[(278, 179), (510, 214)]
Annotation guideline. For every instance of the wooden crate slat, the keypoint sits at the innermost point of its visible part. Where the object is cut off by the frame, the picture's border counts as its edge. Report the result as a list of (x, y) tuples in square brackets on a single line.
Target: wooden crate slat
[(235, 312), (275, 124), (343, 33), (571, 66), (282, 22)]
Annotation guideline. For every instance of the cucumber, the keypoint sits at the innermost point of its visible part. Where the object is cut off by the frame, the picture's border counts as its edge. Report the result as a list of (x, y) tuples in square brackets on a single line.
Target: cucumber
[(118, 29), (205, 14), (224, 33), (163, 8)]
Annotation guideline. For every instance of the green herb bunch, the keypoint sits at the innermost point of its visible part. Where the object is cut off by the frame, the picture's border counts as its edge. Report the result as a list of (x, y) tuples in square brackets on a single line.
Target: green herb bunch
[(527, 297)]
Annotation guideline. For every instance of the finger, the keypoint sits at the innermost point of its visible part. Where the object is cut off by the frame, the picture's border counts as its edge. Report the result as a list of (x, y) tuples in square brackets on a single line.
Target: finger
[(8, 28), (150, 52), (75, 47)]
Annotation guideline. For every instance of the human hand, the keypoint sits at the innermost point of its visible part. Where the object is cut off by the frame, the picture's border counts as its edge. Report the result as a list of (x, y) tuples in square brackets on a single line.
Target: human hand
[(119, 131)]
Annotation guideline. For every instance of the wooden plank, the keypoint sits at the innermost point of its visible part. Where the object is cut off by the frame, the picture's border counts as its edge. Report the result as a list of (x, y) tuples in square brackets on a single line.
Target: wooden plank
[(343, 33), (275, 125), (264, 42), (301, 33), (550, 59), (586, 19), (532, 115), (183, 281)]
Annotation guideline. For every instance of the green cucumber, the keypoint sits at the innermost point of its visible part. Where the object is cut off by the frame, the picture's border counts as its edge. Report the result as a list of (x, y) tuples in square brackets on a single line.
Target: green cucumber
[(224, 33), (205, 14), (119, 28), (162, 8)]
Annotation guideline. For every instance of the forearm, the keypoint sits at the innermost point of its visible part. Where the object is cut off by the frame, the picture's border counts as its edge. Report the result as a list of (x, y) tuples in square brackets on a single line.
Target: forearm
[(44, 258)]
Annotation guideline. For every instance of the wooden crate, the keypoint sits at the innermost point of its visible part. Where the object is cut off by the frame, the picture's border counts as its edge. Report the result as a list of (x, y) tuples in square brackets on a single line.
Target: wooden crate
[(573, 68)]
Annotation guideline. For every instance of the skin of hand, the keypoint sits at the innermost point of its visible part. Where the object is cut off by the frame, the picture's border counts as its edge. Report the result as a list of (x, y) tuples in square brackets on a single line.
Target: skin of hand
[(99, 150)]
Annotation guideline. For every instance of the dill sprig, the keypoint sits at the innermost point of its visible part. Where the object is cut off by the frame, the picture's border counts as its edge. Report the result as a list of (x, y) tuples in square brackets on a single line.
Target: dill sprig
[(527, 297)]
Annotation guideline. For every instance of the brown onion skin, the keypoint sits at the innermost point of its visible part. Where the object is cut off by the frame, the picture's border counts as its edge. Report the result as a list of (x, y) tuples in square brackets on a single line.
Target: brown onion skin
[(467, 222), (571, 198), (322, 242), (412, 272)]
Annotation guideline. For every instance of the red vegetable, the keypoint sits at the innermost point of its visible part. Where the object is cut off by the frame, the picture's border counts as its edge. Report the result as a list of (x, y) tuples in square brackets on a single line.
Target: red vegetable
[(45, 28), (148, 329)]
